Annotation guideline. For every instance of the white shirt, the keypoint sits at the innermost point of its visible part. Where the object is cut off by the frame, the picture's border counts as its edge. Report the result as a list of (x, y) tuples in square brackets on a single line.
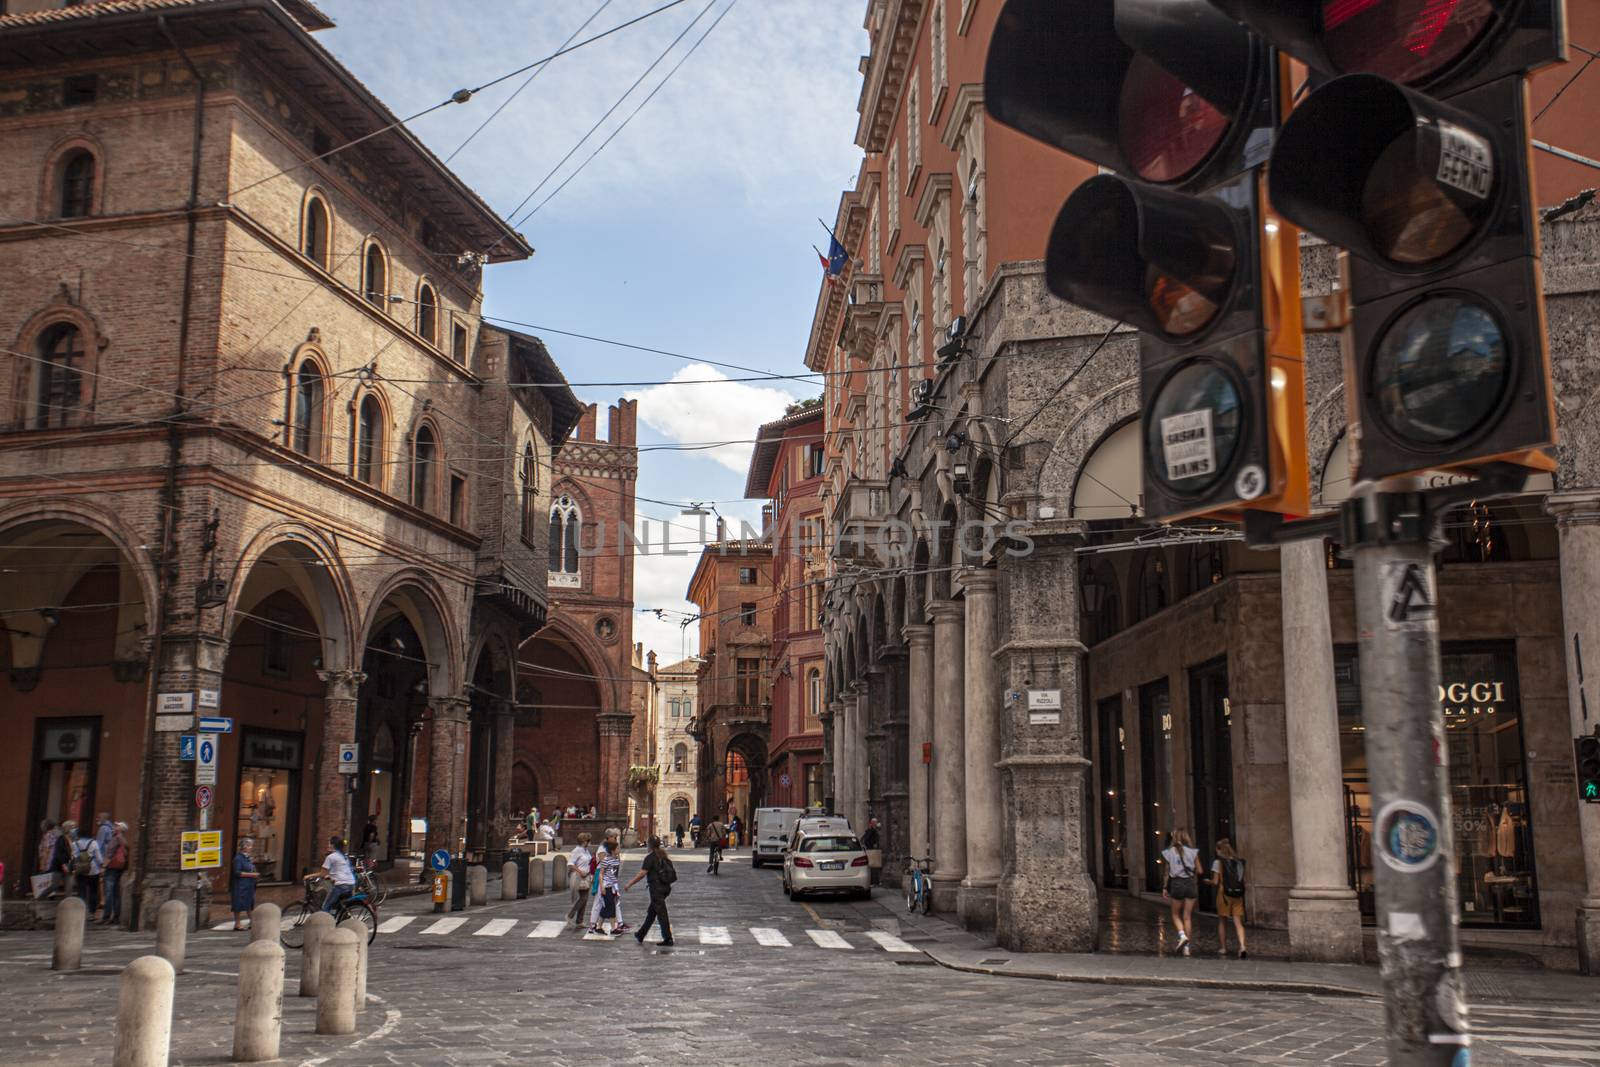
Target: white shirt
[(581, 860), (339, 868), (1181, 864)]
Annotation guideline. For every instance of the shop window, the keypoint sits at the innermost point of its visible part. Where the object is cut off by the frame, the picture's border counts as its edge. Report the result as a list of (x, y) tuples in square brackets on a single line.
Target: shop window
[(424, 458), (59, 398), (1211, 761), (77, 184), (269, 790), (1496, 873), (428, 314), (314, 232)]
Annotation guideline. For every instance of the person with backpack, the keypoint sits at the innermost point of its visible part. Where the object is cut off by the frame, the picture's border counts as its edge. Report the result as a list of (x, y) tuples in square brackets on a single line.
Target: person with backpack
[(716, 835), (1227, 876), (1182, 886), (116, 861), (660, 872), (87, 863)]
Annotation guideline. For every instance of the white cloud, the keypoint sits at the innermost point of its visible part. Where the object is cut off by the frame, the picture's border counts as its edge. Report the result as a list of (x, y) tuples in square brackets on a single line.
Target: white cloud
[(660, 581), (714, 409)]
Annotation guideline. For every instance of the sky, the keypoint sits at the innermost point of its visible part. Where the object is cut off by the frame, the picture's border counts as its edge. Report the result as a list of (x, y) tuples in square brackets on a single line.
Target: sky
[(691, 231)]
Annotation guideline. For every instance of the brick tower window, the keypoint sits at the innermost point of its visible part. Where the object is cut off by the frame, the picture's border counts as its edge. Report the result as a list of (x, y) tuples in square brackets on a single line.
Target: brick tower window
[(61, 355), (375, 275), (369, 440), (528, 476), (77, 184), (314, 235), (424, 457), (565, 524), (428, 314), (310, 389)]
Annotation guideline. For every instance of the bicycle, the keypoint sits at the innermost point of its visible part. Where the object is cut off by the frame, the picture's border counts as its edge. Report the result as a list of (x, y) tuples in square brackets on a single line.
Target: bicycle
[(919, 885), (715, 858), (369, 885), (292, 931)]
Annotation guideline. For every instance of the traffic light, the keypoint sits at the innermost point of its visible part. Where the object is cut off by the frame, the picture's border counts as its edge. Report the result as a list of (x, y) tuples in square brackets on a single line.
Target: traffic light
[(1414, 155), (1181, 102), (1588, 749)]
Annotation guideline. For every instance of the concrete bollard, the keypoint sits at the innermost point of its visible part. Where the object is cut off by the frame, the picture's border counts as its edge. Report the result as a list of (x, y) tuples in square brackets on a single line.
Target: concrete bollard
[(477, 885), (536, 869), (359, 928), (336, 984), (258, 1015), (172, 933), (68, 953), (317, 927), (558, 874), (266, 923), (508, 881), (144, 1013)]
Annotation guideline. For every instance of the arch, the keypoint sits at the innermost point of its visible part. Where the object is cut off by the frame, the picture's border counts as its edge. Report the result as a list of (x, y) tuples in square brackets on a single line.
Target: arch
[(427, 461), (316, 228), (427, 312), (72, 185), (880, 624), (306, 563), (63, 395), (1110, 482), (680, 758), (1058, 474), (306, 406), (375, 273), (678, 809), (492, 653), (416, 594), (748, 751), (916, 584), (588, 648), (524, 786)]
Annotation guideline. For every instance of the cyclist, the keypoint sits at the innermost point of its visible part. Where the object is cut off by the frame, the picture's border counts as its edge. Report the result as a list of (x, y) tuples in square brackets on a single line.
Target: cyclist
[(716, 837), (342, 877)]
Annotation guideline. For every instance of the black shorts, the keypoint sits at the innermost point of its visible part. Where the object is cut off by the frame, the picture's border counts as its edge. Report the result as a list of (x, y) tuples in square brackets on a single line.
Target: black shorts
[(1182, 888)]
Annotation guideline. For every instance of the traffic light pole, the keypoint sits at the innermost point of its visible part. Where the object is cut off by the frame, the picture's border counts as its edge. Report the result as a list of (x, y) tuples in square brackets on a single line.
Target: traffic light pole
[(1391, 535)]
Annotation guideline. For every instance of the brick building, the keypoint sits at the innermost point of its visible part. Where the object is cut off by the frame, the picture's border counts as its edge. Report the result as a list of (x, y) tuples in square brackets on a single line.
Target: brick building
[(732, 587), (260, 452), (786, 468), (1201, 685)]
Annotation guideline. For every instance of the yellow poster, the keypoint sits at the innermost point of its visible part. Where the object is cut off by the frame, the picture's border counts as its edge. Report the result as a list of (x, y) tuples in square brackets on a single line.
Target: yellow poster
[(202, 849)]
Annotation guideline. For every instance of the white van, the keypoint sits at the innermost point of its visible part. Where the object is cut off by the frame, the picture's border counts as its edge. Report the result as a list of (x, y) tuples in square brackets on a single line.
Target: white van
[(769, 833)]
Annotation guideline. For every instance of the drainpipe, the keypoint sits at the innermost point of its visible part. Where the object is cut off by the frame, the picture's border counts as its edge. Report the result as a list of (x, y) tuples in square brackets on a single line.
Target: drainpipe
[(165, 571)]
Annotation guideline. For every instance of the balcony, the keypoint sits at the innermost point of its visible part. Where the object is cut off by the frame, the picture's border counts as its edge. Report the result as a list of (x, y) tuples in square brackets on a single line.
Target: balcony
[(862, 316), (858, 519)]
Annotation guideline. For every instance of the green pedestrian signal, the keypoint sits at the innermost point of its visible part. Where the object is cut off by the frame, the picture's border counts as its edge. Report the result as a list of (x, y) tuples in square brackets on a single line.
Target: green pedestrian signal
[(1588, 758), (1591, 790)]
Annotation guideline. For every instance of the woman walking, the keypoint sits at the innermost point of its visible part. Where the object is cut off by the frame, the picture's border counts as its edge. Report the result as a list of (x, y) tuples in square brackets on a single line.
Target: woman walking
[(1227, 877), (87, 863), (609, 897), (116, 858), (581, 861), (245, 877), (658, 869), (1182, 888)]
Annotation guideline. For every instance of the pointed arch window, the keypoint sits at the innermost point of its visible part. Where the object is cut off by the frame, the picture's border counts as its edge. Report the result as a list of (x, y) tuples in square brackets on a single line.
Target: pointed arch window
[(428, 314), (77, 184), (566, 523), (60, 394), (375, 275), (424, 460), (315, 231), (310, 391), (369, 440), (528, 476), (813, 698)]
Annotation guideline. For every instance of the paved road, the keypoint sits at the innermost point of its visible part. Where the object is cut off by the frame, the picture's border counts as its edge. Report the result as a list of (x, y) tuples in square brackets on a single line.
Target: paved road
[(752, 974)]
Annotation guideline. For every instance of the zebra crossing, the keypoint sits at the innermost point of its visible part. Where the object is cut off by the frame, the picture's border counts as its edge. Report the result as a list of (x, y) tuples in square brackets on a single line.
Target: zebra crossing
[(708, 935), (1545, 1034)]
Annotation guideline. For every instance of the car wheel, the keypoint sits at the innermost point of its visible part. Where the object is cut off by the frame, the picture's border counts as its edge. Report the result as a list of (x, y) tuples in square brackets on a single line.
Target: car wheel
[(864, 894), (756, 863)]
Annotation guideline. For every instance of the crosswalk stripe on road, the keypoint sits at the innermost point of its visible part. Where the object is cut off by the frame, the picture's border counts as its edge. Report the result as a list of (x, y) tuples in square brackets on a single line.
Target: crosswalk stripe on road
[(1531, 1053), (767, 937), (889, 942), (547, 928), (445, 926), (495, 928), (715, 935), (828, 939), (396, 924), (764, 936)]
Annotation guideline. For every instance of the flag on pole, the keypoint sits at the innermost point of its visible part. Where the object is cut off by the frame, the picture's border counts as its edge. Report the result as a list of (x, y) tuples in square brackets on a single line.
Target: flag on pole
[(829, 275), (837, 258)]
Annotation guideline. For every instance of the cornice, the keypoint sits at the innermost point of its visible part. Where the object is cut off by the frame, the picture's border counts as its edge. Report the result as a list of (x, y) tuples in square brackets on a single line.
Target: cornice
[(935, 189), (885, 79), (969, 98)]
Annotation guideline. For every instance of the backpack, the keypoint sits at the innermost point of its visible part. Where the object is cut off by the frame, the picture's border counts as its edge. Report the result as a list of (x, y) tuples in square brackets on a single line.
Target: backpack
[(119, 856), (82, 861), (666, 874), (1233, 877)]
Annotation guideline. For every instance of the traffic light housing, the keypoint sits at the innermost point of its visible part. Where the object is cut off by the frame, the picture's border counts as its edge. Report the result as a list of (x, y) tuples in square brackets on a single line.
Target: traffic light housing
[(1427, 181), (1178, 242), (1588, 762)]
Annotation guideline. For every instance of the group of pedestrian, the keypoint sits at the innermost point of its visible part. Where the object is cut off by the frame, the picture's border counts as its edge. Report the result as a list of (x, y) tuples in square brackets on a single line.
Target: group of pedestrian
[(595, 882), (83, 861), (1181, 890)]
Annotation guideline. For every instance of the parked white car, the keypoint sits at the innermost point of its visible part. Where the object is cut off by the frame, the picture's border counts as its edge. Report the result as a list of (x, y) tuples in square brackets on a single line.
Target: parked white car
[(770, 830), (827, 861)]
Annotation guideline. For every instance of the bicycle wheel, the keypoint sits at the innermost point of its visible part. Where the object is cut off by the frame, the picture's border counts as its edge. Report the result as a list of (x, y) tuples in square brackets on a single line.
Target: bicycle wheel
[(292, 931), (927, 895), (380, 892), (359, 909), (911, 894)]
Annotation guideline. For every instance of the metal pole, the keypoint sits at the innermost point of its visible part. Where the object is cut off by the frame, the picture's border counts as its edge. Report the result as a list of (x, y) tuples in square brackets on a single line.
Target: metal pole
[(1392, 537)]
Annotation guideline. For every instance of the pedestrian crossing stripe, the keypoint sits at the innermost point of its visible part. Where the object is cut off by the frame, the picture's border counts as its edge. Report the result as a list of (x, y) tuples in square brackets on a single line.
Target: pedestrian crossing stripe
[(396, 924), (1530, 1052), (889, 942), (828, 939), (767, 937), (495, 928), (715, 935), (764, 936), (547, 928), (445, 926)]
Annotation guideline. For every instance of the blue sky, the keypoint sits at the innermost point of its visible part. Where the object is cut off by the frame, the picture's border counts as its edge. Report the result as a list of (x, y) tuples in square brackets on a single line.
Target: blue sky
[(691, 231)]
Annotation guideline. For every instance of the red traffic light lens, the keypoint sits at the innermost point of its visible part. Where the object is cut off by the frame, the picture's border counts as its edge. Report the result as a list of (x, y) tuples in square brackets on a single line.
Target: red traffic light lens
[(1407, 41), (1419, 215), (1180, 309), (1167, 130), (1440, 370)]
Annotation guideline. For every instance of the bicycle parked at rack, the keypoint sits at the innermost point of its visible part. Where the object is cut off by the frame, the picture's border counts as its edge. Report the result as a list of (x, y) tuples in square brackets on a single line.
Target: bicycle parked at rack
[(919, 885), (296, 915), (369, 885)]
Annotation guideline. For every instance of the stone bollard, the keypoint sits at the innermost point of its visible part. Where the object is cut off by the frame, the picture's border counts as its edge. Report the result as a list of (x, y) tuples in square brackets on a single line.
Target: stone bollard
[(336, 983), (68, 953), (536, 868), (477, 885), (317, 927), (558, 873), (172, 933), (258, 1016), (144, 1013), (508, 881), (359, 928), (266, 923)]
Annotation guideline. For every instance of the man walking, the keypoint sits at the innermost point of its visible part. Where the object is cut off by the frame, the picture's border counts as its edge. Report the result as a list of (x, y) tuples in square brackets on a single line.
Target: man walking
[(716, 836), (660, 873), (872, 842)]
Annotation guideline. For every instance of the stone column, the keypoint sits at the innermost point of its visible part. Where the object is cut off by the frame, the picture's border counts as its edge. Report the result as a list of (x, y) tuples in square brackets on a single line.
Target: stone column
[(1578, 523), (505, 750), (832, 717), (949, 748), (850, 783), (984, 695), (615, 729), (874, 754), (447, 774), (1324, 916), (338, 728), (919, 731), (896, 792)]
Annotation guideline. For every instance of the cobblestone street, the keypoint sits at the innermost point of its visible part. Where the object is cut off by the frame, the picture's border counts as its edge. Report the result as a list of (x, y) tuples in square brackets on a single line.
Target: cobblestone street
[(752, 974)]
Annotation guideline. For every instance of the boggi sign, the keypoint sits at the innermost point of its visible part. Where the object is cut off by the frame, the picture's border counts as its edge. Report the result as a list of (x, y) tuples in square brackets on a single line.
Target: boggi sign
[(1472, 698)]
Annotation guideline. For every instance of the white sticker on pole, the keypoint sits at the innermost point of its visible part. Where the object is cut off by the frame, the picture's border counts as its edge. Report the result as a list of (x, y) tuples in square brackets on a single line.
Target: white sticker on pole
[(1408, 597), (1187, 446), (1466, 161)]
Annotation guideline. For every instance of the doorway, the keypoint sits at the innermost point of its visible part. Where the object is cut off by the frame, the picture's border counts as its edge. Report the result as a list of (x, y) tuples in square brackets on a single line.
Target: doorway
[(1211, 744), (1155, 776), (65, 765), (1113, 795)]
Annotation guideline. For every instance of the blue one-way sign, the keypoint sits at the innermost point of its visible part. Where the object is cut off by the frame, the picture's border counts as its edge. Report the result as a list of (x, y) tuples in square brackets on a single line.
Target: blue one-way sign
[(215, 725)]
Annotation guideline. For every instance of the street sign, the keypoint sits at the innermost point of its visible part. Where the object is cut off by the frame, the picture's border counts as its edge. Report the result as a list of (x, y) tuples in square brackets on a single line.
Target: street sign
[(201, 850), (215, 724), (202, 796), (205, 763), (1044, 700), (174, 703), (349, 759), (171, 724), (211, 698), (783, 780), (186, 748), (440, 860)]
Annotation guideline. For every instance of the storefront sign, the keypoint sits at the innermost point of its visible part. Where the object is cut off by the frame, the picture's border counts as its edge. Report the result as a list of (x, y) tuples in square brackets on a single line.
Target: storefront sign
[(1472, 698), (271, 750), (1408, 836), (201, 850)]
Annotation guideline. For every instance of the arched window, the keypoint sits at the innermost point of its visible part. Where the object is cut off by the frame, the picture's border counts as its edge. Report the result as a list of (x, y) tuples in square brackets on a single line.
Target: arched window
[(565, 526), (314, 232), (309, 391), (60, 392), (680, 757), (428, 314), (528, 476), (375, 275), (77, 184), (369, 440), (424, 457), (814, 694)]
